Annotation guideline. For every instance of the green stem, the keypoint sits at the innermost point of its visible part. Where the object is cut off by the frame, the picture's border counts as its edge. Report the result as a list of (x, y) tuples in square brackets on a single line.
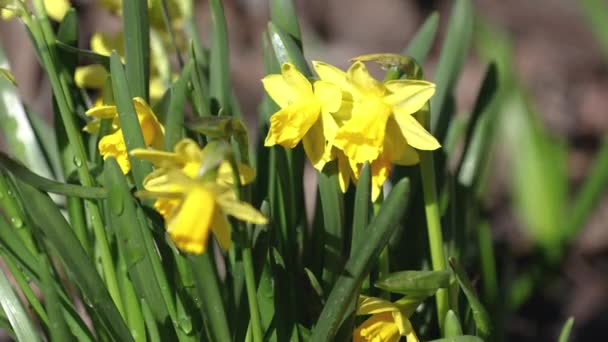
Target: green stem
[(431, 208), (252, 297), (45, 45)]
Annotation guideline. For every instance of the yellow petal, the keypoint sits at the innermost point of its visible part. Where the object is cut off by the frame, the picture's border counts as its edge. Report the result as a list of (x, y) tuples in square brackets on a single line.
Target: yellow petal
[(165, 206), (329, 95), (241, 210), (331, 74), (373, 305), (344, 171), (226, 176), (381, 169), (56, 9), (158, 158), (102, 112), (296, 81), (278, 90), (7, 14), (168, 181), (315, 146), (361, 138), (378, 328), (104, 43), (408, 96), (93, 126), (363, 81), (396, 148), (404, 326), (90, 76), (157, 89), (289, 125), (113, 145), (221, 229), (191, 225), (188, 150), (416, 135)]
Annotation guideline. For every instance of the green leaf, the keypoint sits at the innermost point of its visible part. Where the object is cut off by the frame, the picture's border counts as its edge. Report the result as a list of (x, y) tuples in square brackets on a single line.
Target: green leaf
[(332, 205), (25, 175), (451, 325), (8, 75), (174, 122), (596, 15), (46, 216), (82, 54), (462, 338), (283, 15), (219, 68), (414, 282), (132, 236), (453, 54), (421, 43), (68, 33), (16, 314), (363, 204), (564, 335), (129, 122), (200, 91), (314, 282), (286, 49), (367, 252), (480, 315), (57, 326), (137, 47)]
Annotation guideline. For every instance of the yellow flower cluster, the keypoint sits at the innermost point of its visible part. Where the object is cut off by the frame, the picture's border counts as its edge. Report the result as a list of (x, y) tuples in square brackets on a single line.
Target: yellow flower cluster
[(349, 117), (192, 203), (388, 321)]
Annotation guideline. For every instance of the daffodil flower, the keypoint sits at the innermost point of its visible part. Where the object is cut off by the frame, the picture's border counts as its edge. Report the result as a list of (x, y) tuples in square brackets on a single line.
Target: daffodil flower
[(381, 118), (305, 114), (113, 144), (389, 321), (192, 204)]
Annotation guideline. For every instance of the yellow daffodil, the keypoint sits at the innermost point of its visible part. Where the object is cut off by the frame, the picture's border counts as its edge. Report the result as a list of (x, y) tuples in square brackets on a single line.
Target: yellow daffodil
[(389, 321), (56, 9), (188, 158), (305, 114), (381, 118), (192, 204), (113, 144)]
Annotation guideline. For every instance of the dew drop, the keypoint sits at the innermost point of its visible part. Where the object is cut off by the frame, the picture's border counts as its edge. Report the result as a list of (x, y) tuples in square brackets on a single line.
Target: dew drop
[(17, 222), (77, 162)]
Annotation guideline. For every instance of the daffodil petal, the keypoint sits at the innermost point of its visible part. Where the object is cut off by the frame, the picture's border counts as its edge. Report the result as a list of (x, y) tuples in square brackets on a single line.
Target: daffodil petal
[(373, 305), (278, 90), (221, 229), (396, 148), (408, 96), (90, 76), (379, 327), (168, 181), (93, 126), (344, 172), (329, 95), (157, 158), (56, 9), (113, 145), (103, 43), (241, 210), (190, 227), (331, 74), (102, 112), (289, 125), (225, 174), (416, 135), (381, 169), (315, 146), (404, 326), (364, 82), (299, 84)]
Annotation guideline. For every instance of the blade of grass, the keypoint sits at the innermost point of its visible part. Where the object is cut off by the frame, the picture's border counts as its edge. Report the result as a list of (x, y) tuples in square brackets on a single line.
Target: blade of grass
[(137, 47), (564, 335), (200, 89), (16, 314), (82, 54), (283, 15), (452, 325), (219, 67), (421, 43), (49, 219), (57, 326), (453, 54), (361, 212), (174, 122), (367, 252), (129, 122)]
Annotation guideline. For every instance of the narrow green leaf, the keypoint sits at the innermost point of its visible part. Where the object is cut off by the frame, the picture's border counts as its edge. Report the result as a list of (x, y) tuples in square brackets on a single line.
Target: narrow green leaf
[(414, 282), (83, 54), (332, 204), (131, 238), (462, 338), (363, 204), (380, 230), (283, 15), (286, 49), (480, 315), (421, 43), (454, 51), (49, 219), (451, 325), (129, 122), (16, 314), (219, 68), (8, 75), (47, 139), (200, 89), (48, 185), (212, 306), (564, 335), (596, 15), (68, 33), (57, 326), (174, 121), (314, 282), (137, 47)]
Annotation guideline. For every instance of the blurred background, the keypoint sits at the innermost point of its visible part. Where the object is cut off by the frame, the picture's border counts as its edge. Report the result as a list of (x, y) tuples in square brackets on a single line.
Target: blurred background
[(557, 62)]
